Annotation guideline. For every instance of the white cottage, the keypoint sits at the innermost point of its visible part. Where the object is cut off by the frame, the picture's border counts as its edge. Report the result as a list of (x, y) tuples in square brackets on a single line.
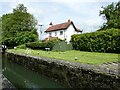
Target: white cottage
[(62, 31)]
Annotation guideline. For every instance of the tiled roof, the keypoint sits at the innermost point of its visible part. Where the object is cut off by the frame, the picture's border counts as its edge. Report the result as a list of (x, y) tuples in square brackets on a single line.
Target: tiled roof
[(61, 26)]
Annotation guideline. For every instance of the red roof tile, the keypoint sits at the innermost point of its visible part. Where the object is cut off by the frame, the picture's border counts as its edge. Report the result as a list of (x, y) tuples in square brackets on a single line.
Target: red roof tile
[(62, 26)]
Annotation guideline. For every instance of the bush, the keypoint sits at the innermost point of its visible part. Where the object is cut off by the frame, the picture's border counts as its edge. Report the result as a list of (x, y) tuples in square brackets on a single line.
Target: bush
[(42, 45), (51, 43), (9, 42), (100, 41), (23, 46), (35, 45)]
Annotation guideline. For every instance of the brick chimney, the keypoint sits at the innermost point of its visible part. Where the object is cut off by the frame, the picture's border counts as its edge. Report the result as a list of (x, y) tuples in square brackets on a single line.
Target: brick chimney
[(50, 24), (68, 20)]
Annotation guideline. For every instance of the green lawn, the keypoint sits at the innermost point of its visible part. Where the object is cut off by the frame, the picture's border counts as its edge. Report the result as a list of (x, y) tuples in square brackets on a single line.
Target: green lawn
[(82, 57)]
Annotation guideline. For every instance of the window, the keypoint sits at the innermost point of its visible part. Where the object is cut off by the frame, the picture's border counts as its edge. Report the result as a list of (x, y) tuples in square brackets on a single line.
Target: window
[(55, 33), (50, 34), (61, 32)]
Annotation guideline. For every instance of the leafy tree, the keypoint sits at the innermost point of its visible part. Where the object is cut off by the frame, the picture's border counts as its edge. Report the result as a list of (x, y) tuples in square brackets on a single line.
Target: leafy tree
[(112, 14), (18, 24), (0, 30), (20, 8)]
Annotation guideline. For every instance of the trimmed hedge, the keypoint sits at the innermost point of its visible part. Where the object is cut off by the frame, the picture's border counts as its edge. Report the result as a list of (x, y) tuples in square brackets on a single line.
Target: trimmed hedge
[(42, 45), (100, 41), (35, 45)]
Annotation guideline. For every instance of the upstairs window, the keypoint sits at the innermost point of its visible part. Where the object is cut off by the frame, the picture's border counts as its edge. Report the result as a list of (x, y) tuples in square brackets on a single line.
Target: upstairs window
[(55, 33), (50, 34), (61, 32)]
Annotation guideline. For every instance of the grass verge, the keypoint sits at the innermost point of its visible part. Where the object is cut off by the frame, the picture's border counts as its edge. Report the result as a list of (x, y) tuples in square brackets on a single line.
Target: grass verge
[(81, 56)]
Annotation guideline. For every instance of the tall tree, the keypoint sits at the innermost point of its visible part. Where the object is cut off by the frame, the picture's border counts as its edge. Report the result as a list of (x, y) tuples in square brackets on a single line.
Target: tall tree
[(20, 8), (18, 27), (112, 15), (0, 30)]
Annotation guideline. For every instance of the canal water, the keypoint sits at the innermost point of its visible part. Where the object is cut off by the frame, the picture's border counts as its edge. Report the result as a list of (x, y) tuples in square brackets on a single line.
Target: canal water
[(0, 71), (21, 77)]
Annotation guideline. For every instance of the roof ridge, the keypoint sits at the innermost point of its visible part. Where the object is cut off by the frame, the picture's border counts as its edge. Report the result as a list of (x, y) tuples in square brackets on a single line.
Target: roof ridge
[(61, 26), (61, 23)]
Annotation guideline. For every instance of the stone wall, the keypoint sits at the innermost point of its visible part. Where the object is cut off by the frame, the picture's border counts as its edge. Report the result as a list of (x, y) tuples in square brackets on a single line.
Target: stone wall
[(73, 75), (6, 84)]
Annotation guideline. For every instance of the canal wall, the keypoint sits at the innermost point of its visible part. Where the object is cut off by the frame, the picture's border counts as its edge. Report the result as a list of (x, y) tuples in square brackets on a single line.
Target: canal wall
[(6, 84), (73, 75)]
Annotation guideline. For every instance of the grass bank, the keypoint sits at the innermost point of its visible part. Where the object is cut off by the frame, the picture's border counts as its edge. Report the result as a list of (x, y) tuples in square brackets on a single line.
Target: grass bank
[(81, 56)]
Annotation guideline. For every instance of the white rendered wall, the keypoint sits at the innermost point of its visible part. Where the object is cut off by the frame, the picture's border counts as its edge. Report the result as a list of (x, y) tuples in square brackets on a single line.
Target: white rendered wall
[(58, 34), (70, 31), (66, 33)]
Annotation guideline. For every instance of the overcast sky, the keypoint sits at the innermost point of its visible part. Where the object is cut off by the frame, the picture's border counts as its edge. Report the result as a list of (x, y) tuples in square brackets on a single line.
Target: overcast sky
[(84, 13)]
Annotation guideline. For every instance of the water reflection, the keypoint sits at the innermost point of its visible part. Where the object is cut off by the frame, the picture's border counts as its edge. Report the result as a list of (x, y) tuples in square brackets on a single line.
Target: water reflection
[(24, 78)]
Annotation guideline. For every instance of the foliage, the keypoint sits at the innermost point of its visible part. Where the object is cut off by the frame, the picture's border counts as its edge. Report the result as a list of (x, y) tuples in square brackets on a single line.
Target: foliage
[(50, 43), (20, 38), (35, 45), (20, 8), (23, 46), (112, 14), (18, 27), (102, 41), (62, 46), (42, 45), (0, 30)]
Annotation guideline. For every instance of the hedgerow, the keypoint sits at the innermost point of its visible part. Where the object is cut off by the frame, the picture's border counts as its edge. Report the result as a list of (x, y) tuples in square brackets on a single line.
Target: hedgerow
[(99, 41), (42, 44)]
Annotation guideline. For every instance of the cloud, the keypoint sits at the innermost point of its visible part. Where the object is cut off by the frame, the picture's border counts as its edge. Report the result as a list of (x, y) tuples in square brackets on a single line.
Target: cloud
[(84, 13), (59, 1)]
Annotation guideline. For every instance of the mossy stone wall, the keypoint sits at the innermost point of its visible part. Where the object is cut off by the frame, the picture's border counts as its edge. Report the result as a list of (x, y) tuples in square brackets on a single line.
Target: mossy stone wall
[(73, 75)]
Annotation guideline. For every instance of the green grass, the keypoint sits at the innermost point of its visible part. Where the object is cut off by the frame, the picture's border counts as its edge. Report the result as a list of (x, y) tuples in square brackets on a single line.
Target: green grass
[(82, 57)]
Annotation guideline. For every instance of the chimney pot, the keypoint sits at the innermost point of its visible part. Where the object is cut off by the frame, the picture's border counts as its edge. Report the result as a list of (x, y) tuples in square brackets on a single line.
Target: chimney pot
[(68, 20), (50, 23)]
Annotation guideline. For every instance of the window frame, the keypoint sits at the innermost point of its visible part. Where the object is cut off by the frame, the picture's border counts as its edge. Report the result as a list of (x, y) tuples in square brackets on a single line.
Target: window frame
[(61, 32), (55, 33), (50, 34)]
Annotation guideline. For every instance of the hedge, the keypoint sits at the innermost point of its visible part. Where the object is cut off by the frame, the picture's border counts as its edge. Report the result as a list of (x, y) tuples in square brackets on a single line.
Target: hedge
[(35, 45), (42, 44), (99, 41)]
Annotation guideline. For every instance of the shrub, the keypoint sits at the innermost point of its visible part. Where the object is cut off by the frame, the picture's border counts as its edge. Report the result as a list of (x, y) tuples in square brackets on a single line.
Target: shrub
[(35, 45), (9, 42), (51, 42), (23, 46), (42, 45), (100, 41)]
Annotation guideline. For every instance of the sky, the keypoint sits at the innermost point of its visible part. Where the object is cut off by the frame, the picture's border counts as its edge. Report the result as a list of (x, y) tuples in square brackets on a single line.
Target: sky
[(83, 13)]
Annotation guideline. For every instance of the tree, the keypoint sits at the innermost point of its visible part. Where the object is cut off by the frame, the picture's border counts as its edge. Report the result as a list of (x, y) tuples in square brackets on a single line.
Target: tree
[(18, 24), (0, 30), (20, 8), (112, 15)]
